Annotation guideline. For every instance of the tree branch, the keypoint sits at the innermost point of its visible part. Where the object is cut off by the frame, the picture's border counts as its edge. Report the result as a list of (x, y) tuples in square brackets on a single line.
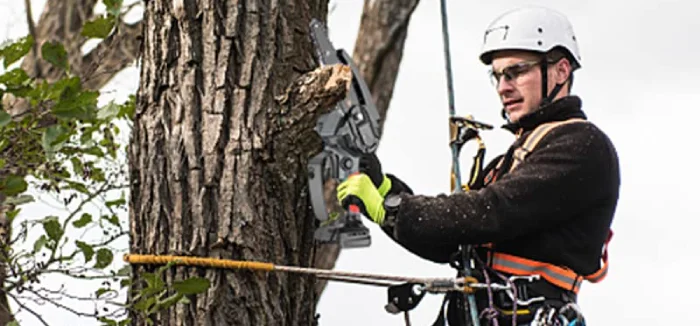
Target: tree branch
[(379, 47), (59, 305), (32, 32), (312, 95), (112, 55), (62, 21)]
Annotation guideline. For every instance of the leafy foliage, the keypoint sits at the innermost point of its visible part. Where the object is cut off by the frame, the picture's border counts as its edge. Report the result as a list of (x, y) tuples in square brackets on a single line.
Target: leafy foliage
[(102, 26), (66, 146)]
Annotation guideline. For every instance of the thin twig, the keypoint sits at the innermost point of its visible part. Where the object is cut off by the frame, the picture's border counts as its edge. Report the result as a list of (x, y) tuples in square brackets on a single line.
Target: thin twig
[(32, 32), (72, 274), (111, 239), (62, 292), (52, 301), (23, 306), (131, 6)]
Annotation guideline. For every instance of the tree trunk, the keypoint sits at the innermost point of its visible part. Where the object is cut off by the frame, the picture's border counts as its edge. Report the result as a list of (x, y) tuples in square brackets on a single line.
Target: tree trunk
[(218, 167), (6, 315)]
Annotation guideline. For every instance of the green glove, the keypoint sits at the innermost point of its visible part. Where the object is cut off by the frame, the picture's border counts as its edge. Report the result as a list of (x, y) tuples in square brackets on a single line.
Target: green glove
[(385, 186), (359, 190)]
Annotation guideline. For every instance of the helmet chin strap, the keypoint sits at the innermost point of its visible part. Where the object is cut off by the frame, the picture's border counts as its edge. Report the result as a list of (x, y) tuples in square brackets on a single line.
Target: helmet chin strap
[(547, 99)]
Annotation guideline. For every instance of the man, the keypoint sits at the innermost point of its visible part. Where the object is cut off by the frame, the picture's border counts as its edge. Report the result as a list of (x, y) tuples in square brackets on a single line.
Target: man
[(543, 211)]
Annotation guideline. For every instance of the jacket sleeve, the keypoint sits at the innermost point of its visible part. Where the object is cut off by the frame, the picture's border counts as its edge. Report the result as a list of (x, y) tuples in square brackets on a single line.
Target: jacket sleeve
[(567, 170), (438, 253)]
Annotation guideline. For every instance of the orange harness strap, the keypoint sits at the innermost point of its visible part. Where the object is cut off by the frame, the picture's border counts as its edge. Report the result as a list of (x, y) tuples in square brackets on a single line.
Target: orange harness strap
[(562, 277)]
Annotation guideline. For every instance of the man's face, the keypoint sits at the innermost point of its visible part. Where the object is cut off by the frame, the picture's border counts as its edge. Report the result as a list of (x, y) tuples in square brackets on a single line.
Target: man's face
[(522, 93)]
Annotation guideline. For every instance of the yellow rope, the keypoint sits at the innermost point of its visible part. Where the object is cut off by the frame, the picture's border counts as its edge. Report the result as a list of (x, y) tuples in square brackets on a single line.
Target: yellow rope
[(197, 261), (464, 284)]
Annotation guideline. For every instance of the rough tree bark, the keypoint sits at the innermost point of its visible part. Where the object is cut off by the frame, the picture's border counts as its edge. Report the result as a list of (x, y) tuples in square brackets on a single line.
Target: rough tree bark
[(217, 166), (203, 165), (61, 21), (218, 161)]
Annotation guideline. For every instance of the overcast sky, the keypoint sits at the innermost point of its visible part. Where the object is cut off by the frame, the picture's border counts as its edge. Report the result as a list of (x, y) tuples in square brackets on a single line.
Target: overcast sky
[(638, 83)]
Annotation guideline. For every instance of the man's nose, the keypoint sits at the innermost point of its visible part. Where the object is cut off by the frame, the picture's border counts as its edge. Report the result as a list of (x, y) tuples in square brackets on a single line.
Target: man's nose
[(504, 86)]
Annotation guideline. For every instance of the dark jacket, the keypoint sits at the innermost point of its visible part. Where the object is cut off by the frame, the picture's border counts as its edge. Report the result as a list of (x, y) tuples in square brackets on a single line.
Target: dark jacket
[(556, 206)]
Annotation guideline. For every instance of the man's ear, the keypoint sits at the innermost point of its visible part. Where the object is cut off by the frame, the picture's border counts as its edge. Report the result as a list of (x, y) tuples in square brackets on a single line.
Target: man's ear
[(562, 70)]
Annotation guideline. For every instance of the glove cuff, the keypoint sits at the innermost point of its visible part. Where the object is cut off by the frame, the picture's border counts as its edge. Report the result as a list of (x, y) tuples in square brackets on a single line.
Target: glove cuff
[(385, 186)]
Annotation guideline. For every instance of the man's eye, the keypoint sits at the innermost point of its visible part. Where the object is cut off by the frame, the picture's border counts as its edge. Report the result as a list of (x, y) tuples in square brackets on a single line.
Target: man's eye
[(513, 72)]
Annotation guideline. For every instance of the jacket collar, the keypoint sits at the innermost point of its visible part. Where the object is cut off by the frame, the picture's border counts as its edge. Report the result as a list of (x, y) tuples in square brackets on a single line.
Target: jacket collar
[(562, 109)]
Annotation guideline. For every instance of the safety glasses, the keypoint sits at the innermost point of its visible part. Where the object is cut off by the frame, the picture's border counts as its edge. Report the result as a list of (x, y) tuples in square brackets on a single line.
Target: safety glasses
[(512, 72)]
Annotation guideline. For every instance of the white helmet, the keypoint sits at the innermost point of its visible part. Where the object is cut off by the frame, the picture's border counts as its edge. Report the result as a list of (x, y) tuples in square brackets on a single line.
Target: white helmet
[(530, 28)]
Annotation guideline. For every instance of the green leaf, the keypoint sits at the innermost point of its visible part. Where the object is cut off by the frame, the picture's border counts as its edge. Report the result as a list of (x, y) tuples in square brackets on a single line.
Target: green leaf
[(77, 166), (15, 77), (84, 220), (104, 258), (125, 283), (113, 6), (53, 139), (112, 219), (87, 250), (109, 111), (77, 186), (80, 105), (94, 150), (128, 108), (18, 83), (192, 285), (55, 53), (101, 291), (11, 214), (99, 27), (53, 228), (19, 200), (154, 284), (64, 88), (117, 202), (40, 243), (124, 271), (107, 321), (12, 323), (98, 174), (170, 301), (16, 50), (145, 304), (13, 185), (5, 118)]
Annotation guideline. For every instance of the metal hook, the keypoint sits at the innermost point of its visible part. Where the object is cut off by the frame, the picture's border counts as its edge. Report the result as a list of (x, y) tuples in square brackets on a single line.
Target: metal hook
[(509, 290)]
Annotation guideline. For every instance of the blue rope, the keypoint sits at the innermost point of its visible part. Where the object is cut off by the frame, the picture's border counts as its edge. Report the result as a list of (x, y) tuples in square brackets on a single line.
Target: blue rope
[(455, 149), (450, 91)]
